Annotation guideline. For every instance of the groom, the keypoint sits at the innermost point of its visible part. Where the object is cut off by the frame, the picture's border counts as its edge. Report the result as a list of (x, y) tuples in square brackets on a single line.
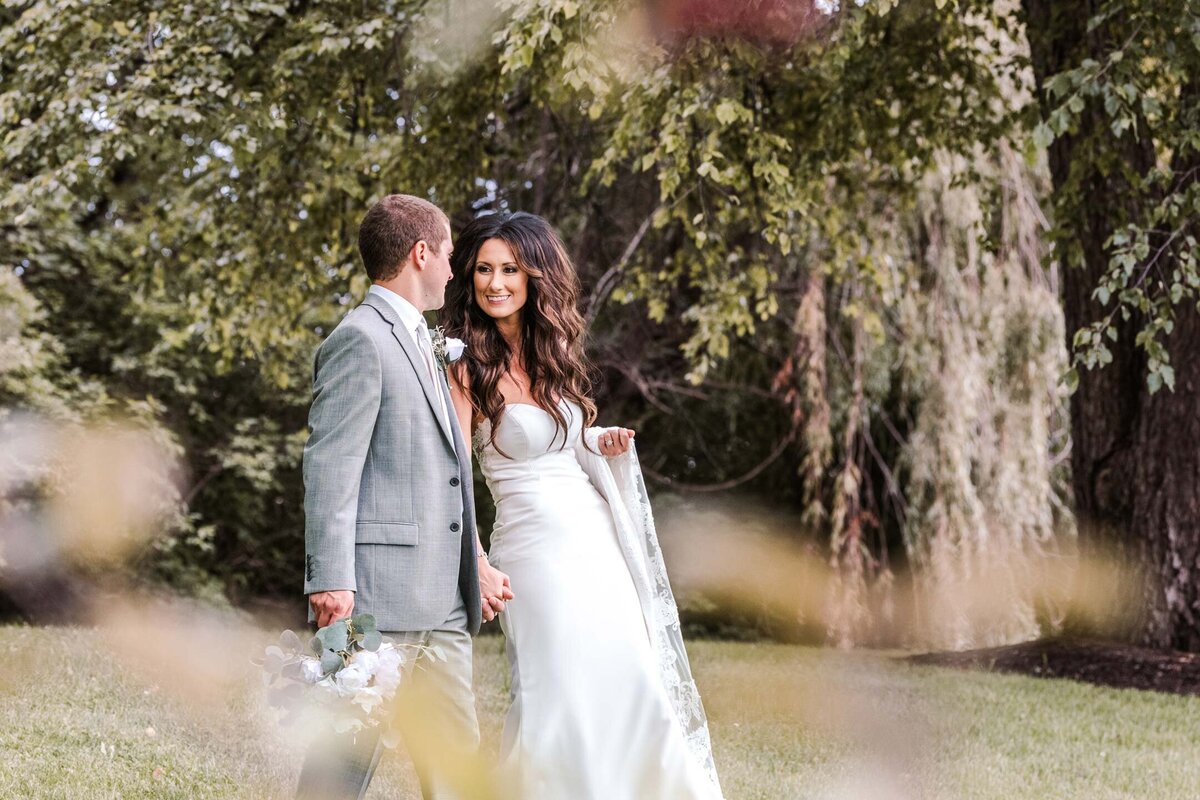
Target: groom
[(389, 510)]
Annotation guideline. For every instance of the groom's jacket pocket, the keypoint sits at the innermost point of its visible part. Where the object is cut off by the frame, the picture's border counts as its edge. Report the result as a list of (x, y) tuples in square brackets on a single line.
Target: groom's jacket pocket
[(385, 533)]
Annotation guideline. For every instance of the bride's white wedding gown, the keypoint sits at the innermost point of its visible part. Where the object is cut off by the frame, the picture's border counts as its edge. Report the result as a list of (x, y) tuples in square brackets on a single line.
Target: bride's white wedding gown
[(590, 717)]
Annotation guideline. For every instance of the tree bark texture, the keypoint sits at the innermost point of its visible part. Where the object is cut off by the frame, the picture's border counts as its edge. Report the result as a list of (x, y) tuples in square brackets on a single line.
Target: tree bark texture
[(1135, 456)]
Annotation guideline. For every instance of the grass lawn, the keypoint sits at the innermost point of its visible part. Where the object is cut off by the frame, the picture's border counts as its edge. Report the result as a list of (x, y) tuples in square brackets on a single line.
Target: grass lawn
[(787, 722)]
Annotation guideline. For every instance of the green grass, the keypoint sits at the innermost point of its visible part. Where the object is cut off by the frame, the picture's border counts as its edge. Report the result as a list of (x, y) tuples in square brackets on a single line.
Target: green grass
[(787, 722)]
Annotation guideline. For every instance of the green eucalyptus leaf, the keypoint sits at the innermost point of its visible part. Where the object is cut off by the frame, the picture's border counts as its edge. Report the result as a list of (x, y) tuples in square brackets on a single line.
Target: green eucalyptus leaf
[(331, 662), (335, 636), (274, 660), (293, 671), (290, 642)]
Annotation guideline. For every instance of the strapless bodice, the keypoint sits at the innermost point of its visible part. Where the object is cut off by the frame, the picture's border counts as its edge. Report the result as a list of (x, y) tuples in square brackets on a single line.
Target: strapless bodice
[(531, 469), (529, 446), (527, 431)]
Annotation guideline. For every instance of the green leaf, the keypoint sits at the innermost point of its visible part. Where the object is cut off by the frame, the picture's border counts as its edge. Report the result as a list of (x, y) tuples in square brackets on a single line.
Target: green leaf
[(335, 636), (273, 662), (1043, 137), (293, 671), (290, 642), (331, 662), (1058, 85), (727, 112)]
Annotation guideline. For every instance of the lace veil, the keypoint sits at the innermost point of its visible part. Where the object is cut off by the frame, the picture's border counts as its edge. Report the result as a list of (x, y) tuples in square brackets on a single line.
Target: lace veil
[(619, 480)]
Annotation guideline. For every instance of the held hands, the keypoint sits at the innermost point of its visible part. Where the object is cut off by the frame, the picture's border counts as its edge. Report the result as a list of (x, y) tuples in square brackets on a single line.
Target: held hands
[(329, 607), (494, 588), (615, 441)]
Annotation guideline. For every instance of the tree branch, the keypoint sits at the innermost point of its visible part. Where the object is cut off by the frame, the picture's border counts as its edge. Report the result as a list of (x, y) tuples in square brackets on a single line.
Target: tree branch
[(608, 280), (751, 474)]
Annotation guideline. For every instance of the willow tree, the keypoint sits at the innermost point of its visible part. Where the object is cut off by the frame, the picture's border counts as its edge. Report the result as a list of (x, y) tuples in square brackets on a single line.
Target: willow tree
[(790, 214)]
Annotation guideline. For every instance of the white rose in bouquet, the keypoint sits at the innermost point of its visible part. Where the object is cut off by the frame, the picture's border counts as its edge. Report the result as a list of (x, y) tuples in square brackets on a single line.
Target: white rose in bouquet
[(311, 670), (387, 675), (366, 660), (368, 698), (351, 679)]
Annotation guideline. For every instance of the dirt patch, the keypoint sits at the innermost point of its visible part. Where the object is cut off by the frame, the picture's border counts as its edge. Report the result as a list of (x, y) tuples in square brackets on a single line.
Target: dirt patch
[(1103, 663)]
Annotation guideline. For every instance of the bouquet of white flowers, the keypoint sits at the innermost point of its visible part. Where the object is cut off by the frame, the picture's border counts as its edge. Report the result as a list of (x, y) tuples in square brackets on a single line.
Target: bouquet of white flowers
[(347, 672)]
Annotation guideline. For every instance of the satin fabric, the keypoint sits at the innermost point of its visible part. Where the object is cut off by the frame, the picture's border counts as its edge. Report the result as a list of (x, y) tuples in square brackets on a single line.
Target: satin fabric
[(590, 716)]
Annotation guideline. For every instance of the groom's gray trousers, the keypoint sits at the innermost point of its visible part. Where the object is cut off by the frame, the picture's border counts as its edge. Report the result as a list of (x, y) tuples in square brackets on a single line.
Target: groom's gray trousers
[(341, 769)]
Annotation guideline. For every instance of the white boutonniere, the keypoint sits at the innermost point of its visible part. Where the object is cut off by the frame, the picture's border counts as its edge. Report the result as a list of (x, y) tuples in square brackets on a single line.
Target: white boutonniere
[(446, 349)]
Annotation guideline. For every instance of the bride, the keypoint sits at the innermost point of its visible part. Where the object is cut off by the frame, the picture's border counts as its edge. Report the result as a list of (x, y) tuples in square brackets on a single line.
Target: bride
[(603, 701)]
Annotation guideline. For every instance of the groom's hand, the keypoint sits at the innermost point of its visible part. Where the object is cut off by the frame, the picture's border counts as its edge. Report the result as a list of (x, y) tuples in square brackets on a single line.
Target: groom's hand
[(329, 607)]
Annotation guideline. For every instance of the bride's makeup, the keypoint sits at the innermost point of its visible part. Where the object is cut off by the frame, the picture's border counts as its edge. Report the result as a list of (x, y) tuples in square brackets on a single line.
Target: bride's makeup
[(500, 283)]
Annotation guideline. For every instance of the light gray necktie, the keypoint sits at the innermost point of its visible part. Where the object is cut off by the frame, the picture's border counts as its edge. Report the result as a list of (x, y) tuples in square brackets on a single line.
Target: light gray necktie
[(425, 344)]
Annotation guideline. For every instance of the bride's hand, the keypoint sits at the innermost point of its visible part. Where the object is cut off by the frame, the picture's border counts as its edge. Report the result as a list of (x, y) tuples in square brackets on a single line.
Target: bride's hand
[(494, 589), (615, 441)]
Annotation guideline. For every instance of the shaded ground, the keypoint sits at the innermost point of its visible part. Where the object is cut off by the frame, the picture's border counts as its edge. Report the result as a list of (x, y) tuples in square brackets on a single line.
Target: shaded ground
[(1106, 664)]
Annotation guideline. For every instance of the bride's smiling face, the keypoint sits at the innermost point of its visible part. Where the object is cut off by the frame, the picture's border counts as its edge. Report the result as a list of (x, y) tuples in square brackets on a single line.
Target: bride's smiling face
[(501, 286)]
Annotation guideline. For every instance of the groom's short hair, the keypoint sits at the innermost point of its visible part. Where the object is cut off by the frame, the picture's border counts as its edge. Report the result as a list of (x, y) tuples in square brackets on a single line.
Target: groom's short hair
[(391, 228)]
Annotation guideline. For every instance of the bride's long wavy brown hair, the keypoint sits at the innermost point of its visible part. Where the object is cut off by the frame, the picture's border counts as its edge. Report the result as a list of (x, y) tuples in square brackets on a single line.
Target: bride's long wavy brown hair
[(552, 328)]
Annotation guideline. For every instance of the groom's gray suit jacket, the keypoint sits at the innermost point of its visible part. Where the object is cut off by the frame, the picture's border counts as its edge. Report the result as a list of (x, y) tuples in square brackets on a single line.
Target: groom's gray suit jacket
[(388, 503)]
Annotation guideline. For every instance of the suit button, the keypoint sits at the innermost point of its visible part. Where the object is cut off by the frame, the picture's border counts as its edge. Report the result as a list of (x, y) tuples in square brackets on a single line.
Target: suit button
[(454, 527), (454, 481)]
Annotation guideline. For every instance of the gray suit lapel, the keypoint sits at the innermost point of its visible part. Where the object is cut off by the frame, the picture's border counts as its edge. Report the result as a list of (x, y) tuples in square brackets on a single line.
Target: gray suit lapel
[(405, 340), (460, 443)]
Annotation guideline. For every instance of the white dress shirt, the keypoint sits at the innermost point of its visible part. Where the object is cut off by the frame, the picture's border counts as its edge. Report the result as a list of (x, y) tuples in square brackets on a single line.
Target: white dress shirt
[(414, 323), (409, 315)]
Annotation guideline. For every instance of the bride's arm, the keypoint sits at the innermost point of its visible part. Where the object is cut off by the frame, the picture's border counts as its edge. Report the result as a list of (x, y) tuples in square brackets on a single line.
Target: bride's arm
[(493, 584)]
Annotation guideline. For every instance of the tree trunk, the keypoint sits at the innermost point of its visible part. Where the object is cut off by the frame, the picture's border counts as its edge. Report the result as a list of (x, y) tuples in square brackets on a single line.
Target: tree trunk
[(1166, 495), (1135, 457)]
